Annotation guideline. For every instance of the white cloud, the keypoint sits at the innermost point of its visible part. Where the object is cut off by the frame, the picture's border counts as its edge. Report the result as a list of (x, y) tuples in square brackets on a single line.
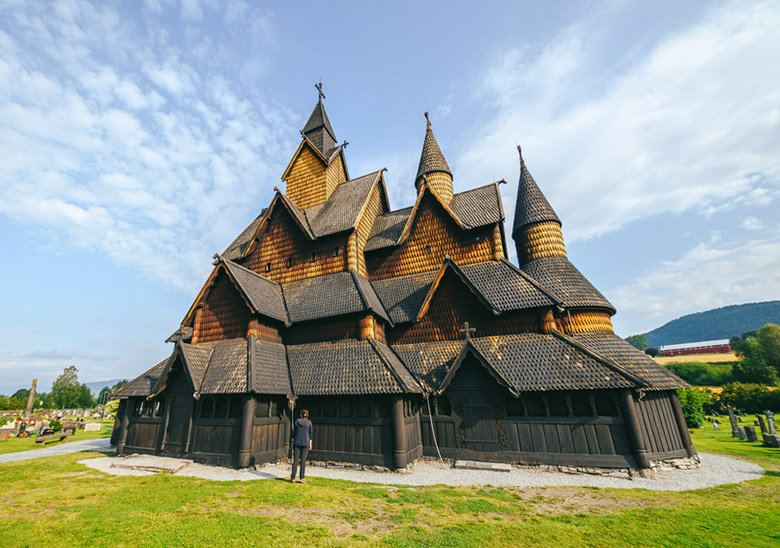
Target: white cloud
[(752, 223), (107, 147), (692, 125), (712, 274)]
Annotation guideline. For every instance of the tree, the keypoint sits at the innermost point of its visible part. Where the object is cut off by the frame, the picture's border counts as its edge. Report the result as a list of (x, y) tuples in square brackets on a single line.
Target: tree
[(119, 385), (692, 403), (22, 394), (638, 341), (85, 397), (760, 355), (48, 401), (105, 392), (66, 389)]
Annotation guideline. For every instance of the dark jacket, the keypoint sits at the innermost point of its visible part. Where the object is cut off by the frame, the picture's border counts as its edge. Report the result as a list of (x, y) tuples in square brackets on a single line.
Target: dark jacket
[(303, 432)]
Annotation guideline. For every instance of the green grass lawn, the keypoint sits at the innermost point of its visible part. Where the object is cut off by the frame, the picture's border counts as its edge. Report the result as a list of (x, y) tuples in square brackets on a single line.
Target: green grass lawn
[(14, 445), (56, 501)]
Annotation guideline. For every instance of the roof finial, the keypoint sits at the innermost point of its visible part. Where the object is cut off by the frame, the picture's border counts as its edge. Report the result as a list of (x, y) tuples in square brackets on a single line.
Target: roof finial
[(520, 152), (319, 90), (428, 120)]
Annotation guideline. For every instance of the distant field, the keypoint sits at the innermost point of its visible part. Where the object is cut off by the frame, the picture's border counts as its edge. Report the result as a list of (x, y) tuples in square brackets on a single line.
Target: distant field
[(706, 358)]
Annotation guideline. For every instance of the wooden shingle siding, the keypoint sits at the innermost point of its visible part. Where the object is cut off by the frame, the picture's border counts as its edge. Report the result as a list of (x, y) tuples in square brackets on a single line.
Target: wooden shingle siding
[(442, 183), (263, 331), (659, 429), (334, 176), (282, 244), (498, 245), (540, 240), (452, 305), (224, 315), (319, 331), (306, 179), (585, 322), (366, 223), (432, 236)]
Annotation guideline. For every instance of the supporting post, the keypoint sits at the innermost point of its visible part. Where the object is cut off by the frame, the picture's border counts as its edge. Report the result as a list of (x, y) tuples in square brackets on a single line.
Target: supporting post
[(682, 426), (189, 429), (633, 429), (124, 423), (166, 421), (399, 433), (245, 443)]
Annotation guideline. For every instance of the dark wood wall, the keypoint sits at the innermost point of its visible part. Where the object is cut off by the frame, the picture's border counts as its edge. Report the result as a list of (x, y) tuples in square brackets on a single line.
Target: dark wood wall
[(224, 314), (660, 432)]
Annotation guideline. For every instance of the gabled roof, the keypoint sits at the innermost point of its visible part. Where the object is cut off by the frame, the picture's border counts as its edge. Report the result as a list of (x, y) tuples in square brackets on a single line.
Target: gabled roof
[(268, 367), (431, 158), (531, 206), (331, 295), (498, 286), (343, 208), (562, 279), (143, 384), (347, 367), (261, 295), (429, 361), (238, 246), (326, 156), (318, 129), (402, 296), (470, 209)]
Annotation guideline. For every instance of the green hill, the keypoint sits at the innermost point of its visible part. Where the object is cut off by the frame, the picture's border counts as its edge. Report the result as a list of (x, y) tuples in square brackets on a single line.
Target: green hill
[(719, 323)]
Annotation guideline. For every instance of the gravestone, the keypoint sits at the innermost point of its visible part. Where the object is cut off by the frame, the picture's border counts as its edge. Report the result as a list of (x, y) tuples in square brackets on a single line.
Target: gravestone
[(92, 427), (761, 424), (750, 433), (771, 440), (736, 429), (770, 422)]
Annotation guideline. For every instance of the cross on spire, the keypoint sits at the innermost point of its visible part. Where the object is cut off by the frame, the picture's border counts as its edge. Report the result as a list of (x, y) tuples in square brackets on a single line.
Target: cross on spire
[(467, 330), (319, 90)]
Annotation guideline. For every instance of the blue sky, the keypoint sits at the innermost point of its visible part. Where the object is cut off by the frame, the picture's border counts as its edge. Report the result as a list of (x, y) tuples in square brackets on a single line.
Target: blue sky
[(138, 138)]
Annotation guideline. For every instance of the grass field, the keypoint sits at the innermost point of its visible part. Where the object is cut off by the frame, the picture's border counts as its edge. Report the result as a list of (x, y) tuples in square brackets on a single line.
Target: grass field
[(706, 358), (58, 502)]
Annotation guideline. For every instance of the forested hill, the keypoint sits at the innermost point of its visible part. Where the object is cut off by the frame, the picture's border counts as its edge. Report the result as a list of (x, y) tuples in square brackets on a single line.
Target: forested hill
[(719, 323)]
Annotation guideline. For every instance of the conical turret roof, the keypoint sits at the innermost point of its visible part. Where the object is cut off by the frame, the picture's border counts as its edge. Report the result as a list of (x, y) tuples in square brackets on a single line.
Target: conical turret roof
[(431, 159), (318, 129), (531, 206)]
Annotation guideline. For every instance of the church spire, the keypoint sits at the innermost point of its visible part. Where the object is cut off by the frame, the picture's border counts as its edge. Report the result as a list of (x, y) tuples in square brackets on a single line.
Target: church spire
[(318, 129), (433, 167), (536, 228)]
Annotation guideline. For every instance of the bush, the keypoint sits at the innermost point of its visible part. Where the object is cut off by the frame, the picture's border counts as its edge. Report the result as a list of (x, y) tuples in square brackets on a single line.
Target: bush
[(701, 373), (749, 398), (692, 403), (55, 425)]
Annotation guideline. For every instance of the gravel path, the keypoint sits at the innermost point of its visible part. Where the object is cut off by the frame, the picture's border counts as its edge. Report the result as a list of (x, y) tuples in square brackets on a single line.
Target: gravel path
[(100, 444), (714, 470)]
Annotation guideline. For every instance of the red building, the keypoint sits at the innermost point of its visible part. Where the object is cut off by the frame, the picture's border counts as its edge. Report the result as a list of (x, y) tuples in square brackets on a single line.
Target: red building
[(701, 347)]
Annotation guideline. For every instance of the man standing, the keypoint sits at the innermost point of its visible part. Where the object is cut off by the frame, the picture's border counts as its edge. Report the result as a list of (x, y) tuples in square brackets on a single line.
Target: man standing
[(302, 435)]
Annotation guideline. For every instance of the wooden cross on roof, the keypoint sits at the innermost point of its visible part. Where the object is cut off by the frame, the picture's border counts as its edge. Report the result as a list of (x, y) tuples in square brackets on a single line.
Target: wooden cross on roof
[(467, 330), (319, 90)]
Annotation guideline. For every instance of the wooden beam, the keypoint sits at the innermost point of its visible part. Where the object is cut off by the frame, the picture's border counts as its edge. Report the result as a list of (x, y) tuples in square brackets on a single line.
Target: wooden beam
[(399, 433), (124, 423), (245, 442), (633, 429)]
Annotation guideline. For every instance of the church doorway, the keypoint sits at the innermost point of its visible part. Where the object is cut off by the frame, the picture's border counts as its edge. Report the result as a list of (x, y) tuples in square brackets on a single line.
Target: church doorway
[(180, 405)]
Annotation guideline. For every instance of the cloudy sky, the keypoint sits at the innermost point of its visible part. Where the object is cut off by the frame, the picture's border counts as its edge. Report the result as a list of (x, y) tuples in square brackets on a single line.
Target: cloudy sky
[(138, 138)]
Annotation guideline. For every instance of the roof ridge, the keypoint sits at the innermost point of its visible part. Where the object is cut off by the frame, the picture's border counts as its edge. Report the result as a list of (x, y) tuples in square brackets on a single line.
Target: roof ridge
[(606, 361), (453, 369), (450, 263)]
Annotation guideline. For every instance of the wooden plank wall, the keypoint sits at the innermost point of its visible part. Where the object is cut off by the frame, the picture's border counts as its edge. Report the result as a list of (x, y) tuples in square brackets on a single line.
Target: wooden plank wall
[(306, 179), (364, 441), (366, 223), (216, 442), (433, 235), (282, 240), (659, 427), (270, 439), (224, 315), (323, 330), (143, 434)]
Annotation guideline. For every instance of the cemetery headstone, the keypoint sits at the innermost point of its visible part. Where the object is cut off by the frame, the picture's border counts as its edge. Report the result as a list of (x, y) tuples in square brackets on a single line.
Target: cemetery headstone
[(761, 424), (771, 440), (736, 429), (770, 422), (92, 427), (750, 433)]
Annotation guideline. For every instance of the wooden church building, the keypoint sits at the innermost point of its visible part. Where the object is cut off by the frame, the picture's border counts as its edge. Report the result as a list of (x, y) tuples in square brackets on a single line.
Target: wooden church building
[(404, 332)]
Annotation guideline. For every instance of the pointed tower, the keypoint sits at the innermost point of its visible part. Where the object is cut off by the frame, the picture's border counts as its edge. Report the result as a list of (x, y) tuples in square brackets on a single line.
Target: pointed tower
[(434, 167), (318, 165), (536, 229)]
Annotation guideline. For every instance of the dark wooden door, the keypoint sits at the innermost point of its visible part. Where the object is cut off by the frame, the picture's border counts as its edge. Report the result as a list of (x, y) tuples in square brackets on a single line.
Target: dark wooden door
[(178, 424), (479, 422)]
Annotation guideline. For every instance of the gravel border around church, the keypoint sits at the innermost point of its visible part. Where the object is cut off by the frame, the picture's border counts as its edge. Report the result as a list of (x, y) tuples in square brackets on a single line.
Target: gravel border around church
[(714, 470)]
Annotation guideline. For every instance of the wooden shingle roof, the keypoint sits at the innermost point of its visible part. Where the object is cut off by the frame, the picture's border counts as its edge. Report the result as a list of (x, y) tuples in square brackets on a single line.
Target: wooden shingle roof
[(402, 296), (531, 206), (431, 159), (269, 371), (563, 280), (318, 129), (143, 384), (347, 367)]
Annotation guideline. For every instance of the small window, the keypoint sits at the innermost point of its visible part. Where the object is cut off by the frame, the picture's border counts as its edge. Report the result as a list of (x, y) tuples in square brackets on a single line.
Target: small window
[(535, 405), (274, 408), (159, 408), (235, 408), (605, 405), (580, 405), (478, 238), (268, 267), (363, 408), (313, 256), (380, 409), (557, 404), (345, 407), (427, 248), (337, 252), (514, 407), (330, 408), (221, 408), (261, 408), (289, 263), (206, 408), (443, 406)]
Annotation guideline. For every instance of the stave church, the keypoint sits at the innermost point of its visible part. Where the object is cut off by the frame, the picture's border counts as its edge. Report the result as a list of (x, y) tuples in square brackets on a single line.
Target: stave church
[(406, 333)]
